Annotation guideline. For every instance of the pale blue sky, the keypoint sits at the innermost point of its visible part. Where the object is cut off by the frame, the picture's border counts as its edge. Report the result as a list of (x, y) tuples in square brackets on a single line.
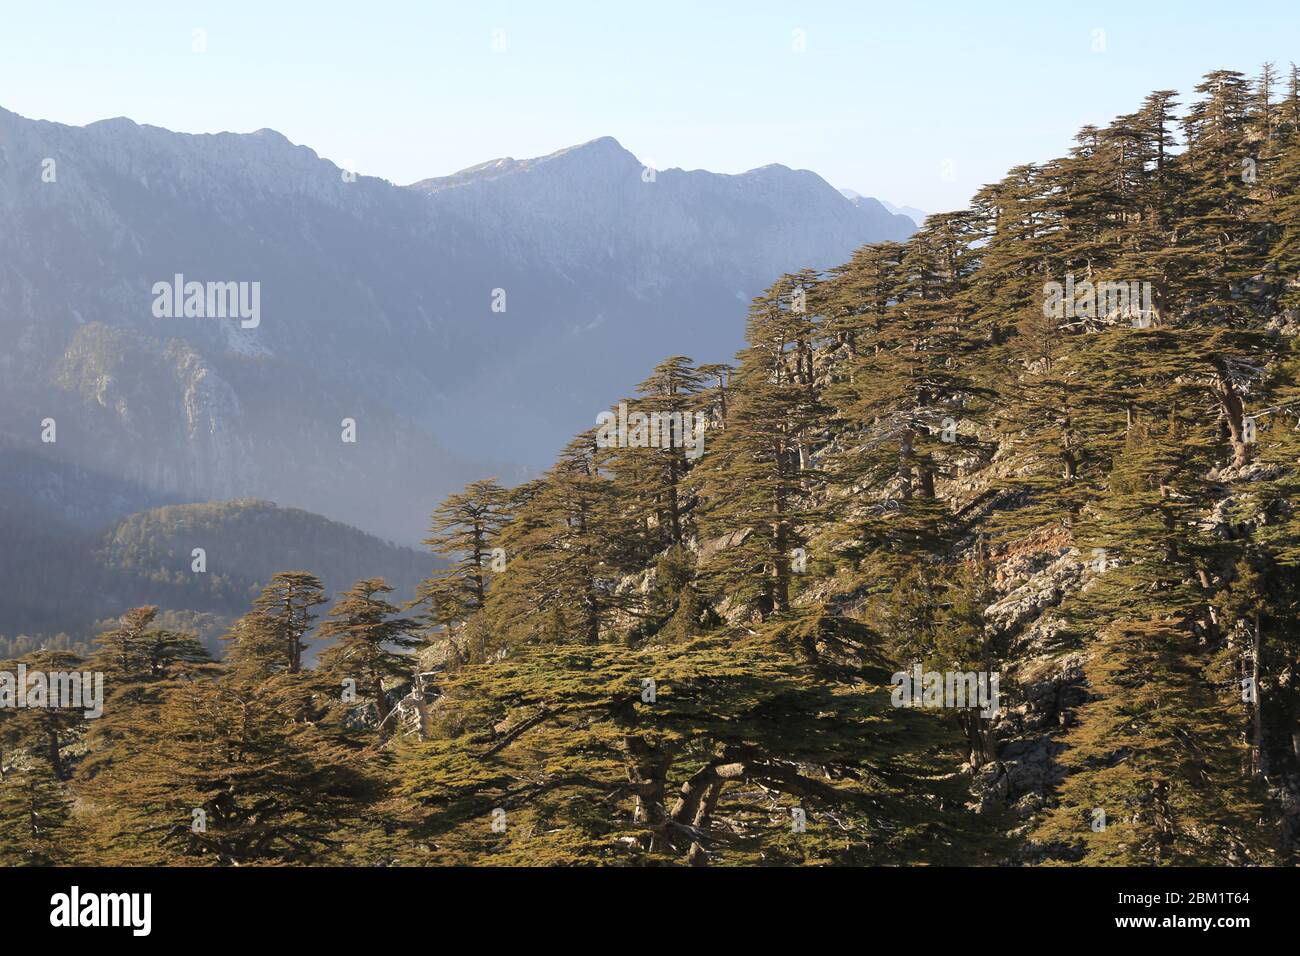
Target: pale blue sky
[(883, 94)]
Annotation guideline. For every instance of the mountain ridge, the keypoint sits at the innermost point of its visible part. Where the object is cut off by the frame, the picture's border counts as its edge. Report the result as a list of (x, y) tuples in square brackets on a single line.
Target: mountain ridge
[(377, 304)]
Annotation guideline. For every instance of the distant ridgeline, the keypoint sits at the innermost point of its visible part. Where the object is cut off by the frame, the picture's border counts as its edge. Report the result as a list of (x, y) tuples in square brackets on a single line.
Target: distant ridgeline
[(67, 577), (1077, 530)]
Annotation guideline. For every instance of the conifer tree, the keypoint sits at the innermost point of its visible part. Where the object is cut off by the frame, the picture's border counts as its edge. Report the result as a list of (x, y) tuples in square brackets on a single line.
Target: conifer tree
[(35, 811), (568, 546), (270, 637), (223, 778), (760, 472), (652, 470), (1218, 202), (1157, 764), (465, 529), (44, 728), (370, 644), (568, 755), (137, 660)]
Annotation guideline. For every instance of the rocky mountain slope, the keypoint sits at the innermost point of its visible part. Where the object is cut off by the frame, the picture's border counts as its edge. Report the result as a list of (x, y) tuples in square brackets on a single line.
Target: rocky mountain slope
[(376, 304)]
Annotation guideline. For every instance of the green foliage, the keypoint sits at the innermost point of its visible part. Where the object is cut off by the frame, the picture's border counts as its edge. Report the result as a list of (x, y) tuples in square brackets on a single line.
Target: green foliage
[(584, 760), (1157, 761), (35, 811)]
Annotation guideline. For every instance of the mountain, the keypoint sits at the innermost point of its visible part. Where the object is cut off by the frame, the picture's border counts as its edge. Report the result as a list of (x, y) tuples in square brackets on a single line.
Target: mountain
[(64, 578), (374, 304), (916, 216), (911, 212)]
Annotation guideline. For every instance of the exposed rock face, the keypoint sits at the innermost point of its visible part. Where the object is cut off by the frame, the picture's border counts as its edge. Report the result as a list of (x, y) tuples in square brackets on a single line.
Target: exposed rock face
[(1028, 734), (184, 445), (1045, 578), (162, 416), (713, 546), (1045, 684)]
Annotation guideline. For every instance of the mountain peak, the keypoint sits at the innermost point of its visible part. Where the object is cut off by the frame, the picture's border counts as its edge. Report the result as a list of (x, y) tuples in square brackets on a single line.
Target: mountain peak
[(114, 122), (601, 151), (601, 144), (274, 136)]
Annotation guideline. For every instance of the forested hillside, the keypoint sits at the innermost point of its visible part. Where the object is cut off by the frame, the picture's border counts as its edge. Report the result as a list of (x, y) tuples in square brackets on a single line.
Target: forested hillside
[(1050, 440), (150, 556)]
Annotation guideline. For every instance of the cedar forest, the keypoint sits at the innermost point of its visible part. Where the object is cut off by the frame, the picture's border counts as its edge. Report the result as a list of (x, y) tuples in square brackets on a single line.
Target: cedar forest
[(650, 658)]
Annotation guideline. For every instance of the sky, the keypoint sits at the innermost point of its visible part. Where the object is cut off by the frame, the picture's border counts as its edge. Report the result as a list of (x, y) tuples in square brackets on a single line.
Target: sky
[(918, 103)]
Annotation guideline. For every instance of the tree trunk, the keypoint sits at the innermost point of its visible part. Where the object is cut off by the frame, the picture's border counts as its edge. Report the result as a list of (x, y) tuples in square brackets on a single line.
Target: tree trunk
[(647, 766), (1235, 413), (905, 462), (927, 483), (56, 761), (381, 699)]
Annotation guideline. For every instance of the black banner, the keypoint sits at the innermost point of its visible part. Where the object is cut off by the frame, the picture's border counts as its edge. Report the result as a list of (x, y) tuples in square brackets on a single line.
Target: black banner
[(136, 906)]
